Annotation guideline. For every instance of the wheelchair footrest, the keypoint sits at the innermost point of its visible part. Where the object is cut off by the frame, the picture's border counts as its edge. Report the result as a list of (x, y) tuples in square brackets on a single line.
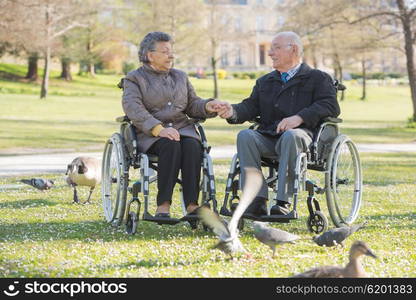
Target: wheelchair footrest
[(279, 218), (160, 220), (225, 212), (190, 218)]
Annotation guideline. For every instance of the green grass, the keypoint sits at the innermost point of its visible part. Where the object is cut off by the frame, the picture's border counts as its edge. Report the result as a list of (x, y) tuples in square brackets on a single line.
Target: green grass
[(79, 115), (44, 235)]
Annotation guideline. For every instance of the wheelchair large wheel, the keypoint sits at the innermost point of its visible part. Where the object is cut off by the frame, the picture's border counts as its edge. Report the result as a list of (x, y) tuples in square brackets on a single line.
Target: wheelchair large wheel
[(114, 180), (343, 182)]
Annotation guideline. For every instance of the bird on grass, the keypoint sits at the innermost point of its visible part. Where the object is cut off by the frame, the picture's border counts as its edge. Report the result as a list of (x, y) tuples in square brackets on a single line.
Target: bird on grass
[(353, 269), (336, 236), (83, 171), (227, 234), (39, 183), (272, 236)]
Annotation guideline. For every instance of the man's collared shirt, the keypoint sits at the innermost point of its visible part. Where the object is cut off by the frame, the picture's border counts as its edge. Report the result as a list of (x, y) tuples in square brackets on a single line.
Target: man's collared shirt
[(292, 72)]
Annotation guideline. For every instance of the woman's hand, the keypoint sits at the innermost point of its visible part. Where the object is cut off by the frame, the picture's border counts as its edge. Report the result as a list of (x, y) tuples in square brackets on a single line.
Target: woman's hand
[(214, 106), (170, 133), (226, 110)]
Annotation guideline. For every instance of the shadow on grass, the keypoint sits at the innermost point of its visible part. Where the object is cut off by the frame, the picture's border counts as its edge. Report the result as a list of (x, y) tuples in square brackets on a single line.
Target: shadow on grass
[(10, 76), (151, 263), (91, 231), (27, 203), (373, 220)]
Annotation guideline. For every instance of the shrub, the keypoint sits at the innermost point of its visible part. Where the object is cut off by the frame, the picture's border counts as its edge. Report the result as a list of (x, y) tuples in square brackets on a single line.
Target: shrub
[(221, 73), (128, 66), (411, 123)]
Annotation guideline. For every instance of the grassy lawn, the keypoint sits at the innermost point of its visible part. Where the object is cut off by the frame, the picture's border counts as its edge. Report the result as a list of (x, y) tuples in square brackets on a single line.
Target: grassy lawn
[(44, 235), (80, 115)]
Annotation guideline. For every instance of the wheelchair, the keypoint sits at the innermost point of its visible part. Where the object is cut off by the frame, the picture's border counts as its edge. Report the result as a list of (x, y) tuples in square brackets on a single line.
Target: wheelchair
[(120, 155), (332, 153)]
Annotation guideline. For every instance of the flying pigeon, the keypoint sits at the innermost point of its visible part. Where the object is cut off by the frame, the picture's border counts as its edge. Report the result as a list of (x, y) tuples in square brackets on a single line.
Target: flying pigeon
[(272, 236), (353, 269), (39, 183), (228, 234), (336, 236)]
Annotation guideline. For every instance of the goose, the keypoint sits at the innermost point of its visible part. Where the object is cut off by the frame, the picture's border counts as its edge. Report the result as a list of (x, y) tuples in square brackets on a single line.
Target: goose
[(353, 269), (83, 171)]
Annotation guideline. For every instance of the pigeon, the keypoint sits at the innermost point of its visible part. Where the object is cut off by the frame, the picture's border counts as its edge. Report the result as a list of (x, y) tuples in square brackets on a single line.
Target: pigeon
[(353, 269), (272, 236), (83, 171), (227, 234), (39, 183), (336, 236)]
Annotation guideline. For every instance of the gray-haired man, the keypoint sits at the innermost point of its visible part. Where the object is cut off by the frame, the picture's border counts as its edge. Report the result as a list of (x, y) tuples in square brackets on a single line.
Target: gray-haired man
[(290, 102)]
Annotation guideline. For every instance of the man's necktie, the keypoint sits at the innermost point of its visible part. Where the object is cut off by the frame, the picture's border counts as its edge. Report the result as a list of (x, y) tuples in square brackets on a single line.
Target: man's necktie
[(284, 76)]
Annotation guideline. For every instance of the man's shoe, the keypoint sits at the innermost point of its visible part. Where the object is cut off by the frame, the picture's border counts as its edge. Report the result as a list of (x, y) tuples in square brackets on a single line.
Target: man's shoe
[(256, 209), (281, 208)]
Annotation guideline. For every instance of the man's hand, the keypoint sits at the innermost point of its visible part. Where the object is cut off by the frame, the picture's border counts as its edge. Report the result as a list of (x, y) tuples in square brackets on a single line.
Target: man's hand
[(214, 106), (226, 110), (289, 123), (170, 133)]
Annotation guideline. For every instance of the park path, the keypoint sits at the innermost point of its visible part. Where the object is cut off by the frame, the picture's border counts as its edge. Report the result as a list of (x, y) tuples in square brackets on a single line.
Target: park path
[(14, 165)]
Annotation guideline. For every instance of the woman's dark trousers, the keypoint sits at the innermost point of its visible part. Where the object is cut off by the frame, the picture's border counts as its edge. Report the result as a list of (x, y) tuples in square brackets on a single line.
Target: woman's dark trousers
[(185, 155)]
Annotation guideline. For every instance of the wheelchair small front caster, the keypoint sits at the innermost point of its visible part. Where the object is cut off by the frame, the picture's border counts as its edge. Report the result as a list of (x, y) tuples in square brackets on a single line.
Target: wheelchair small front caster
[(317, 222), (193, 224), (131, 223)]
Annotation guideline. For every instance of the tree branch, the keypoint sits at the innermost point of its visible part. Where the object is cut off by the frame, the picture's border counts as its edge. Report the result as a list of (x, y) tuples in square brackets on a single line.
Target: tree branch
[(73, 25), (377, 14)]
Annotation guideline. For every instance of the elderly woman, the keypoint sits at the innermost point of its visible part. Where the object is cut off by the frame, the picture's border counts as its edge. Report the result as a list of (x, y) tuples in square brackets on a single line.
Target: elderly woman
[(158, 99)]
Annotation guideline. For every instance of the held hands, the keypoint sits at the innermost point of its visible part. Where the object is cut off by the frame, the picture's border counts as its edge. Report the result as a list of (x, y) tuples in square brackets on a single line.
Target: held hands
[(289, 123), (224, 109), (170, 133)]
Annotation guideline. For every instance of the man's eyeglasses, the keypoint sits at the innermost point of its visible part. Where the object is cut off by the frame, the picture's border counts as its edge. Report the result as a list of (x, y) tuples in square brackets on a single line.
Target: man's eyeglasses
[(279, 47)]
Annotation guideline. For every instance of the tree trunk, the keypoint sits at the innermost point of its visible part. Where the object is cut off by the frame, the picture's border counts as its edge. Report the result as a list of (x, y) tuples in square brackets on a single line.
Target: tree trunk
[(47, 54), (407, 30), (341, 78), (214, 70), (338, 72), (91, 69), (66, 69), (364, 74), (45, 79), (90, 63), (32, 70)]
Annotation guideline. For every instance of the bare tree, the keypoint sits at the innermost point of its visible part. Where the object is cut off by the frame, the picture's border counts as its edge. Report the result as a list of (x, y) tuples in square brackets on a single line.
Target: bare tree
[(404, 13), (18, 31), (217, 32)]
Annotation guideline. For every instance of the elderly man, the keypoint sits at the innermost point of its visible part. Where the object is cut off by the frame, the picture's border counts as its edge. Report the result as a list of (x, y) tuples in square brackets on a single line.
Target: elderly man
[(290, 102)]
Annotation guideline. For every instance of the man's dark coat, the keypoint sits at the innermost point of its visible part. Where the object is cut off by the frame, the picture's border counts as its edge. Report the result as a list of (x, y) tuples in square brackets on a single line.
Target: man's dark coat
[(311, 94)]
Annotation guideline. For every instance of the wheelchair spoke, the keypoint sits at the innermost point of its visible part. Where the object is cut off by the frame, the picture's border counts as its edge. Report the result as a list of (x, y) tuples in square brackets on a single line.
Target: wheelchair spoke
[(345, 182)]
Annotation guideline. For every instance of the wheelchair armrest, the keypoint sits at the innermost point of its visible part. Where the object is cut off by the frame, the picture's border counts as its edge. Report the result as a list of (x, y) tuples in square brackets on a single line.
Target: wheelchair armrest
[(197, 120), (332, 120), (256, 120), (122, 119)]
